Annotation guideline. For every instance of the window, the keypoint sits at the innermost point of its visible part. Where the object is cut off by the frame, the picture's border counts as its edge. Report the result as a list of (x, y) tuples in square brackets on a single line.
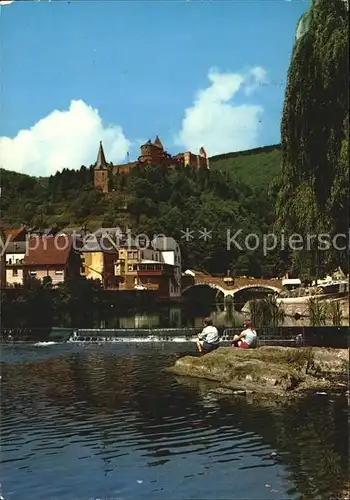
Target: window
[(130, 267), (10, 261), (14, 272), (135, 255)]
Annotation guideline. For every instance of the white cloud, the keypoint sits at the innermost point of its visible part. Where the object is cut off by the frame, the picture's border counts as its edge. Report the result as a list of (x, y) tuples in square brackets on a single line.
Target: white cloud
[(63, 139), (216, 123), (6, 2)]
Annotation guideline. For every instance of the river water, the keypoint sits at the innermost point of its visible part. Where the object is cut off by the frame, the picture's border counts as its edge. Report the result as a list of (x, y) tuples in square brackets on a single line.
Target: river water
[(83, 422)]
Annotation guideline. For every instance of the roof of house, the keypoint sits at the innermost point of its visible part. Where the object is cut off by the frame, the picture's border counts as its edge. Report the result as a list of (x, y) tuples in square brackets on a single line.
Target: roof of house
[(50, 250), (15, 233), (43, 231), (111, 231), (78, 230), (96, 244), (164, 243), (291, 281)]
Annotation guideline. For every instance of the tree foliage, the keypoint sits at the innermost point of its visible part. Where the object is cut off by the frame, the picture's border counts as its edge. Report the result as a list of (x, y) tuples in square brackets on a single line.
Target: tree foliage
[(313, 187), (266, 312), (317, 312), (153, 200), (39, 305)]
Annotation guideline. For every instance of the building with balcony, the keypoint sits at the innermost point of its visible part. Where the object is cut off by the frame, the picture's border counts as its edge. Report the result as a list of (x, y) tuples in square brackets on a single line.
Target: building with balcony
[(154, 268), (170, 255), (154, 275)]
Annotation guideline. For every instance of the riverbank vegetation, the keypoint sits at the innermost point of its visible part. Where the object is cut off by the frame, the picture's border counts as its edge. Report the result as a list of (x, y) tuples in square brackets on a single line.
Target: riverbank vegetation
[(322, 312), (38, 305), (76, 303), (266, 312)]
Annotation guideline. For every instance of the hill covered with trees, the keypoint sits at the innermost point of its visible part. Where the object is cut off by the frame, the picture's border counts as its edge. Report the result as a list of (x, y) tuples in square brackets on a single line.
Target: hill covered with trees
[(255, 167), (49, 200), (158, 200)]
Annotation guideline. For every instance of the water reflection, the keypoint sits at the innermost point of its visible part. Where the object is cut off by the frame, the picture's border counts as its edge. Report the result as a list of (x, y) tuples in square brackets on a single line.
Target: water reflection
[(107, 421), (310, 436), (181, 317)]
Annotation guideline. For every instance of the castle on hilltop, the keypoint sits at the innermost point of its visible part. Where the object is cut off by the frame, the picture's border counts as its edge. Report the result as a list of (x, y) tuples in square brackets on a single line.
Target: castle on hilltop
[(152, 153)]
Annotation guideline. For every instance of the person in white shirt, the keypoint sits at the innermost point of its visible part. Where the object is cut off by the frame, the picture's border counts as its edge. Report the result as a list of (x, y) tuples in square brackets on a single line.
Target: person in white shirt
[(246, 339), (208, 339)]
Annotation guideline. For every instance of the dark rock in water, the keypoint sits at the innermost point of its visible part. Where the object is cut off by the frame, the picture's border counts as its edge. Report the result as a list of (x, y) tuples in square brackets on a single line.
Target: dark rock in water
[(278, 370)]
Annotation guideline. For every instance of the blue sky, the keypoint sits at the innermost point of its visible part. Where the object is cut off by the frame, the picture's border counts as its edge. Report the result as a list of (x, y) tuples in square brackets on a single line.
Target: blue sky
[(132, 69)]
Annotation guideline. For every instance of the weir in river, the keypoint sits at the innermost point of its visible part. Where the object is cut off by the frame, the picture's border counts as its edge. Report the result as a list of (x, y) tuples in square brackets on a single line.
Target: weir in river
[(325, 336)]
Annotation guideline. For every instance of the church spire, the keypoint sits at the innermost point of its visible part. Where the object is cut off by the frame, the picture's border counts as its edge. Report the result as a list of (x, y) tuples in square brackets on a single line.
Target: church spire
[(101, 159)]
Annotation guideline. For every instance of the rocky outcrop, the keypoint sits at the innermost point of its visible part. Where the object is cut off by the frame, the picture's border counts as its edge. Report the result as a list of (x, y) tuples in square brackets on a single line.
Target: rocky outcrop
[(278, 370), (328, 362)]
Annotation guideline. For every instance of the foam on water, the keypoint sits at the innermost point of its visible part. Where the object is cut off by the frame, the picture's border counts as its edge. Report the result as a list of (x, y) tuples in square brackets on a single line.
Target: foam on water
[(45, 344), (149, 339)]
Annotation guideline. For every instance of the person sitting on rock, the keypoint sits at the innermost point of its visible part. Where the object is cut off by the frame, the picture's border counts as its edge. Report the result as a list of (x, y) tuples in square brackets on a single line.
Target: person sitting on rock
[(208, 339), (246, 339)]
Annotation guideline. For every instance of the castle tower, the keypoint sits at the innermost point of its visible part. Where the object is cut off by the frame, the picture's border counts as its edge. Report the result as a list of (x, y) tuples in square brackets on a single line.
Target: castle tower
[(158, 142), (153, 153), (101, 171), (205, 160)]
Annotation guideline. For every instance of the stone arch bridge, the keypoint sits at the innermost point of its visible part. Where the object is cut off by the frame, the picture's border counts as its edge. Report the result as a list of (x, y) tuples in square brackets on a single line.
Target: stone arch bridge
[(230, 289)]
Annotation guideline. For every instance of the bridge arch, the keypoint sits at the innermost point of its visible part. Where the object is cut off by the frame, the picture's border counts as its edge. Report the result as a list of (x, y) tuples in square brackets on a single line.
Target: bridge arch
[(208, 285), (256, 287)]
